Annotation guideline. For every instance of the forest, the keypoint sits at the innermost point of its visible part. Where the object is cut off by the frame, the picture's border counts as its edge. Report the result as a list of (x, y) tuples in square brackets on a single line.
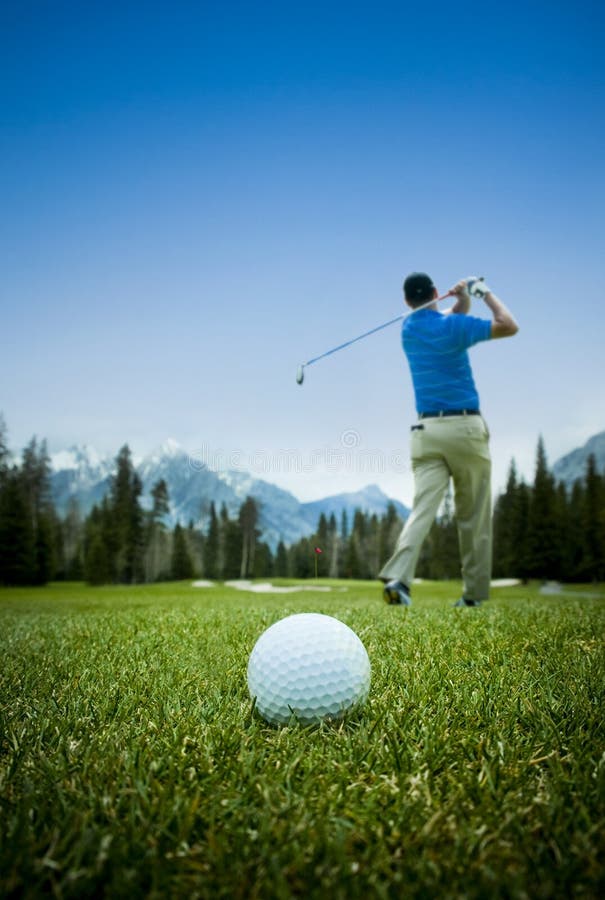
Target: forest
[(542, 530)]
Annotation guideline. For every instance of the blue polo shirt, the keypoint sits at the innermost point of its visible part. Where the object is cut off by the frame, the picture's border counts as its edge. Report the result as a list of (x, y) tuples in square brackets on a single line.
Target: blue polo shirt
[(436, 348)]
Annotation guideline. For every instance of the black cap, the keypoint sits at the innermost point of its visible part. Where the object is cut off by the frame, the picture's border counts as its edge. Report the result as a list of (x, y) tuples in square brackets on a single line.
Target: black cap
[(418, 287)]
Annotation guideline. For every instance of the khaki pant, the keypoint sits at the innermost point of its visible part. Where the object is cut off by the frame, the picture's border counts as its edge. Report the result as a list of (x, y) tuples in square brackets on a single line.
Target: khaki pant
[(456, 447)]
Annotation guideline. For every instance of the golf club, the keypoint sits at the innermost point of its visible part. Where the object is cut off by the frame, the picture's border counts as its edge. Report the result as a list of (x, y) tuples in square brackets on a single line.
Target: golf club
[(300, 372)]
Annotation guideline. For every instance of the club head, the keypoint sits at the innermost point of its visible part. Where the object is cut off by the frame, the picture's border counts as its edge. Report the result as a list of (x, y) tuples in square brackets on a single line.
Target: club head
[(300, 375)]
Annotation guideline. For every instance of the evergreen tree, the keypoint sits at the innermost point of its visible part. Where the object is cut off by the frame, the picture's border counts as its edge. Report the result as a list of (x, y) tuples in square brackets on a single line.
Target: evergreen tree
[(181, 566), (505, 526), (127, 519), (232, 543), (594, 522), (372, 548), (35, 476), (248, 519), (263, 561), (281, 561), (4, 452), (97, 567), (321, 540), (443, 542), (156, 550), (544, 546), (301, 563), (334, 547), (212, 546), (224, 528), (196, 543), (17, 537), (352, 564), (70, 543), (390, 529), (576, 551)]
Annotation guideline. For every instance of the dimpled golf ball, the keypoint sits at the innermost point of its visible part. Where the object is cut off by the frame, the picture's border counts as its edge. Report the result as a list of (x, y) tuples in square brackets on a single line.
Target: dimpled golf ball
[(310, 667)]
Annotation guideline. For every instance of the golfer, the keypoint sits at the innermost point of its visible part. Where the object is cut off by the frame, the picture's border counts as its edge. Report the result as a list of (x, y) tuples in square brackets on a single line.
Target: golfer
[(450, 439)]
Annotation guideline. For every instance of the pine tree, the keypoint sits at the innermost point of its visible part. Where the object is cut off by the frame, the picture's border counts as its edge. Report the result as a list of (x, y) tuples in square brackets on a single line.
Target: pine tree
[(232, 542), (301, 564), (390, 529), (576, 548), (212, 545), (35, 477), (544, 545), (505, 514), (71, 543), (444, 560), (321, 541), (127, 519), (181, 566), (263, 561), (156, 549), (594, 521), (17, 537), (4, 452), (334, 547), (97, 567), (281, 561), (248, 519), (224, 528)]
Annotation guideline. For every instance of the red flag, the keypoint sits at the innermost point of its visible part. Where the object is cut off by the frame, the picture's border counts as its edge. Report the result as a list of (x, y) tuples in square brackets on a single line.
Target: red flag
[(318, 550)]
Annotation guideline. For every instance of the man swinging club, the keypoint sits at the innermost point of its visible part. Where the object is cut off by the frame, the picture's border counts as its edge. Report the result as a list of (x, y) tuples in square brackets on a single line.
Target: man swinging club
[(450, 439)]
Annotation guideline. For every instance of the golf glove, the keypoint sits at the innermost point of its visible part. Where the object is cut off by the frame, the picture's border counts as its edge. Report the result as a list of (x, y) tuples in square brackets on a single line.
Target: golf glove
[(476, 286)]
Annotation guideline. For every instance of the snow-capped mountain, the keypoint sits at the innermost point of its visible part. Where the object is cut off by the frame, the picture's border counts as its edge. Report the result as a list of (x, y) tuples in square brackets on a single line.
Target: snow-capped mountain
[(80, 474), (371, 500), (573, 465)]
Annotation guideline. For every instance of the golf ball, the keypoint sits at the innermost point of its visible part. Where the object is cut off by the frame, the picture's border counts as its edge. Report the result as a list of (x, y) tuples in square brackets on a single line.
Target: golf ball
[(309, 666)]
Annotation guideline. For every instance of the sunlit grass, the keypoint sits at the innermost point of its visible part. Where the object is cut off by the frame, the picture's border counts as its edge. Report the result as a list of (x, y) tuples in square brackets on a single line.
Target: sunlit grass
[(132, 763)]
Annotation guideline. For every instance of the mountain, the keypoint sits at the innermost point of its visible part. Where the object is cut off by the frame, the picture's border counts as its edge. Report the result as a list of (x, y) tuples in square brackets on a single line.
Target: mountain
[(371, 500), (81, 474), (573, 466)]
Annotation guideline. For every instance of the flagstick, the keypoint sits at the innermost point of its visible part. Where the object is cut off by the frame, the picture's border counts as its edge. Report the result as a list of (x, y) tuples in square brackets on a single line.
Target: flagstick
[(316, 566)]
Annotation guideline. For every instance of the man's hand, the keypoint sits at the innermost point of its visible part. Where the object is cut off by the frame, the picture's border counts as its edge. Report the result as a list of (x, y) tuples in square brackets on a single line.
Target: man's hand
[(461, 289), (477, 287), (463, 300)]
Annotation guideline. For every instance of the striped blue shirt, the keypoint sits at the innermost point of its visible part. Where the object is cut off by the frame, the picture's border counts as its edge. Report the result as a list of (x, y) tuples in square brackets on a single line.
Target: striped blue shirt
[(436, 347)]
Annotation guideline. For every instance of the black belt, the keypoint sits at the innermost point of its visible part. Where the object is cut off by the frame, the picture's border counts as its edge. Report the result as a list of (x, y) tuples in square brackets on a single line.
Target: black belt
[(449, 412)]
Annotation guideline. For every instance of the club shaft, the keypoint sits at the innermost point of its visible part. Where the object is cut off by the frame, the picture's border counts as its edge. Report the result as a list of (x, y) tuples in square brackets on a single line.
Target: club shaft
[(374, 330)]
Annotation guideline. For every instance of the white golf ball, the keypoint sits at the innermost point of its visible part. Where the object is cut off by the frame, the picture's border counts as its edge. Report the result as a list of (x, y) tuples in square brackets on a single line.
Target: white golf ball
[(309, 666)]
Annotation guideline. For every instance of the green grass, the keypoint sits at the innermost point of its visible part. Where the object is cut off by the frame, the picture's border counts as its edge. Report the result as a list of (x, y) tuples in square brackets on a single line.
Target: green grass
[(132, 763)]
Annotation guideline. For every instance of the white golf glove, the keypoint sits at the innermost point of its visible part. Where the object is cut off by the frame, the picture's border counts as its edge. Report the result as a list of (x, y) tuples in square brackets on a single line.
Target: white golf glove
[(476, 286)]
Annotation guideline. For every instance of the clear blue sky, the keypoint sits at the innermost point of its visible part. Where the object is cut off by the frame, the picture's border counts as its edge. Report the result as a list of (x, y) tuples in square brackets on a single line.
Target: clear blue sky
[(196, 197)]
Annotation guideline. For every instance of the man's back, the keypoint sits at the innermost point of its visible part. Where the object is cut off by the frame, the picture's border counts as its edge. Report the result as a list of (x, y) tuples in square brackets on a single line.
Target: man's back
[(436, 349)]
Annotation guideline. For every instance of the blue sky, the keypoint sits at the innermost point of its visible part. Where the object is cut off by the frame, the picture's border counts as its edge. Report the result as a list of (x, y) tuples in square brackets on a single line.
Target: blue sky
[(194, 198)]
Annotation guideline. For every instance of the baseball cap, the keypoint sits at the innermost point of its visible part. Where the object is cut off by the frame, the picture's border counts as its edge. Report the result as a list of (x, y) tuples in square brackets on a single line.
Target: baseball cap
[(418, 286)]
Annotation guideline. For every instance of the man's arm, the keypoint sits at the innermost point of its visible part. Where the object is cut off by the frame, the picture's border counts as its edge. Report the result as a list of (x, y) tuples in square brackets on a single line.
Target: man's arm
[(503, 323), (463, 299)]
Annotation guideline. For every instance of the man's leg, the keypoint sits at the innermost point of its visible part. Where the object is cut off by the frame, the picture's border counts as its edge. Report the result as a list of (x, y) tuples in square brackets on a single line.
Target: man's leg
[(431, 477), (471, 470)]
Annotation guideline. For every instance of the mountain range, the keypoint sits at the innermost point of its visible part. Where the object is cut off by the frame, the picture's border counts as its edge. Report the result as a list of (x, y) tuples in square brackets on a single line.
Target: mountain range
[(81, 474), (573, 465)]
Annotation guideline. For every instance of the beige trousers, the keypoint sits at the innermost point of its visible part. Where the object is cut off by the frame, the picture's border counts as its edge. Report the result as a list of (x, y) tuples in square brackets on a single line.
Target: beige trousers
[(454, 447)]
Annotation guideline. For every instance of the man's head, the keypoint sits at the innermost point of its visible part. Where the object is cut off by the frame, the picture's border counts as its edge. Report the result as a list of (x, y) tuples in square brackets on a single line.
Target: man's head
[(418, 288)]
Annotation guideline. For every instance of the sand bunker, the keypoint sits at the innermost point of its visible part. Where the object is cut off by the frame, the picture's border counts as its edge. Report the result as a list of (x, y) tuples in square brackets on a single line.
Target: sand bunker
[(265, 587)]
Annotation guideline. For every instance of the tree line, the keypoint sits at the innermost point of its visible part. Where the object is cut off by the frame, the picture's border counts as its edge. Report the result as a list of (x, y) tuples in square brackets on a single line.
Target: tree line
[(541, 530)]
